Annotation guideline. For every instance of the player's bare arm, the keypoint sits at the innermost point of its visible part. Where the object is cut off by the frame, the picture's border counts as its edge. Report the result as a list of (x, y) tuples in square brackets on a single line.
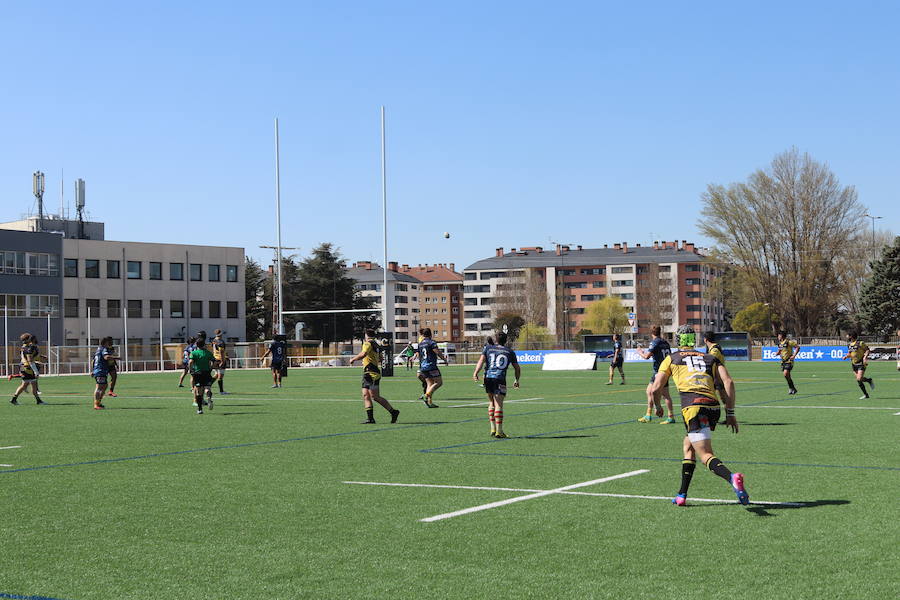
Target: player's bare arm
[(478, 368), (728, 382), (518, 371)]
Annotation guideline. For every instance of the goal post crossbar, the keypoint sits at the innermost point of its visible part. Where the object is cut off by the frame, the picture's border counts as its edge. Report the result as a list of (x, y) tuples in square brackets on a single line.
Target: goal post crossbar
[(336, 310)]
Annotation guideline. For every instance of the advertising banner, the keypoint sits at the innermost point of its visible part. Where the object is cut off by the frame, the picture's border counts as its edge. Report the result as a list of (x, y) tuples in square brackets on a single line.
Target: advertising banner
[(825, 353), (535, 357)]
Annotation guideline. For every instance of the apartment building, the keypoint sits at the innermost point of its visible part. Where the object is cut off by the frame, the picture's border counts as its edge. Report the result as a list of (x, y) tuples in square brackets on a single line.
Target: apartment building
[(401, 297), (440, 300), (667, 284)]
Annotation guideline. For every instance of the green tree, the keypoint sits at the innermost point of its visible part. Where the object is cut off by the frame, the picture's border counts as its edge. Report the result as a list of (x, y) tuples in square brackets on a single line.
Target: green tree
[(254, 288), (757, 319), (606, 316), (880, 304), (513, 324), (533, 336), (785, 231)]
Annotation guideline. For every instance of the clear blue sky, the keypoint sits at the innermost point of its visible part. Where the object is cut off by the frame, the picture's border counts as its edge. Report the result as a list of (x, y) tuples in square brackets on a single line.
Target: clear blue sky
[(509, 123)]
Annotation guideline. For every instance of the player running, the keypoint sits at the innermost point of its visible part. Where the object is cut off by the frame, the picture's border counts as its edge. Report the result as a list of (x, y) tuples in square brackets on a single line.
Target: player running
[(429, 374), (858, 353), (103, 358), (694, 374), (409, 355), (29, 369), (185, 358), (659, 349), (788, 351), (371, 379), (200, 364), (220, 354), (618, 359), (277, 350), (498, 358)]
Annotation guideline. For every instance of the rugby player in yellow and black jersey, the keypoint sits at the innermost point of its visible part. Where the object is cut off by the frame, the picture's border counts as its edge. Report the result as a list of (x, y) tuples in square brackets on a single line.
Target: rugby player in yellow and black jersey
[(695, 374), (220, 358), (858, 353), (371, 380), (714, 349), (29, 370), (788, 351)]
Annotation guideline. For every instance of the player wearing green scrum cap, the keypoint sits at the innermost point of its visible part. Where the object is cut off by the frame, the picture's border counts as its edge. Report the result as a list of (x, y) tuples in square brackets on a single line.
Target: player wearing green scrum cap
[(695, 375)]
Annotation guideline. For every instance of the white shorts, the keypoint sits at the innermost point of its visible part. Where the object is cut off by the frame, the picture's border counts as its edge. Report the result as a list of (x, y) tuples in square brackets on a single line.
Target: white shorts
[(698, 436)]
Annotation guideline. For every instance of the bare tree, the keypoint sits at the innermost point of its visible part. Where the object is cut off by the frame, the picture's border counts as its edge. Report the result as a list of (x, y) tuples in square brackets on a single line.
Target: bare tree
[(784, 230), (524, 295), (654, 304)]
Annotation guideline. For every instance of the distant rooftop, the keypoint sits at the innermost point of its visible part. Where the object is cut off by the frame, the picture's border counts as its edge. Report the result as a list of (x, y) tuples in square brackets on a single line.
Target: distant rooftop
[(576, 256), (93, 230), (433, 273), (371, 272)]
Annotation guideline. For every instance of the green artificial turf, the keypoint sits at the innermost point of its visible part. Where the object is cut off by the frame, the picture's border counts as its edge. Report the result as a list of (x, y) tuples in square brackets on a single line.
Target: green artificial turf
[(149, 500)]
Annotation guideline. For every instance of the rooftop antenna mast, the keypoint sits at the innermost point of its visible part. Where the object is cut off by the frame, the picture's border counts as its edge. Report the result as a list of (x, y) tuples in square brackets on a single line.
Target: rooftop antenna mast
[(79, 206), (38, 189)]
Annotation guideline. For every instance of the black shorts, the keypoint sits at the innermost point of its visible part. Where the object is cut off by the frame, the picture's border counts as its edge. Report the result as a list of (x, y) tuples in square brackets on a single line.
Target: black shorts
[(277, 366), (617, 364), (495, 386), (202, 379), (371, 380), (29, 375), (787, 365), (430, 373), (184, 366), (858, 367), (100, 379), (698, 416)]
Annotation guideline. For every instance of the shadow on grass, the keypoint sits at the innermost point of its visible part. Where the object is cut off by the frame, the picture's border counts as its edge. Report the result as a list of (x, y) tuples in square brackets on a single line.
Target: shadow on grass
[(762, 510), (241, 405), (86, 402), (249, 412), (553, 437), (136, 408), (765, 424), (422, 422)]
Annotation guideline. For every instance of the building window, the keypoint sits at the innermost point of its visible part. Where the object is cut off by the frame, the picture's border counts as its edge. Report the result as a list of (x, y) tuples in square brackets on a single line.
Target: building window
[(695, 281), (693, 294), (71, 307), (156, 308), (93, 307), (176, 309), (196, 272), (665, 268), (692, 268), (622, 269), (401, 287), (196, 309), (215, 309), (155, 270), (231, 310), (401, 300), (471, 277), (176, 271), (600, 271), (231, 273), (135, 309), (134, 269), (471, 327), (113, 309), (213, 273), (569, 285), (113, 268), (623, 282), (565, 272), (92, 268), (627, 296), (70, 267), (694, 308)]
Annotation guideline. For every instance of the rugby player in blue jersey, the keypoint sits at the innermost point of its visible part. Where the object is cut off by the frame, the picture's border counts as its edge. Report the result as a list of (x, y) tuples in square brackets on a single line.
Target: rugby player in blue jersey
[(429, 353), (103, 356), (659, 349), (497, 358)]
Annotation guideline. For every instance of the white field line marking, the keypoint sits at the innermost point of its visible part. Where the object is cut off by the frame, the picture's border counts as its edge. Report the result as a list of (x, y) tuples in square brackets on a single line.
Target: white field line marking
[(484, 402), (499, 503), (896, 413), (600, 494), (5, 465), (9, 447)]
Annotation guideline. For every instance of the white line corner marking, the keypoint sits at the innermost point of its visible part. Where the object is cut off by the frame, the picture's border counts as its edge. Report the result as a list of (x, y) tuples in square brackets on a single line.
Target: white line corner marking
[(536, 494)]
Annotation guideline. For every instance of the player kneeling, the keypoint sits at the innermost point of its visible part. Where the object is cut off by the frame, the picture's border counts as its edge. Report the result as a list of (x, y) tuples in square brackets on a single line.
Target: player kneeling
[(498, 357)]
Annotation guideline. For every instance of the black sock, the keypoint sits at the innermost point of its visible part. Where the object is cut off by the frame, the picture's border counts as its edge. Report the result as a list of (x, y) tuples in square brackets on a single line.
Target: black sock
[(790, 382), (370, 414), (687, 471), (221, 386), (198, 398), (715, 465), (424, 386), (862, 387), (867, 379)]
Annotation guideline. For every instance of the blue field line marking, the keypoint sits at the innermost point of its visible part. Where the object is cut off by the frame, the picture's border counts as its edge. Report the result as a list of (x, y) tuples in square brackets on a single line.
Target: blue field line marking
[(18, 597), (270, 442), (657, 459)]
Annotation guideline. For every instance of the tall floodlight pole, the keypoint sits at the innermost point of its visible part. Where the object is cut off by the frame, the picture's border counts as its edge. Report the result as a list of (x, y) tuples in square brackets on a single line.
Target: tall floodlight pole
[(161, 340), (873, 233), (278, 227), (384, 286), (6, 337)]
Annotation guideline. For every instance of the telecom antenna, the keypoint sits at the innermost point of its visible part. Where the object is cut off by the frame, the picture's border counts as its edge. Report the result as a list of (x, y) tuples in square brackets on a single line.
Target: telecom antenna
[(79, 206), (38, 188)]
